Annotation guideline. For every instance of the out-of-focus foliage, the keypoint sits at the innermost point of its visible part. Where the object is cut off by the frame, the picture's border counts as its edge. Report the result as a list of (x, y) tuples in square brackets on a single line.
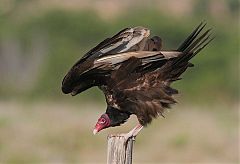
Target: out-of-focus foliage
[(37, 51), (40, 40)]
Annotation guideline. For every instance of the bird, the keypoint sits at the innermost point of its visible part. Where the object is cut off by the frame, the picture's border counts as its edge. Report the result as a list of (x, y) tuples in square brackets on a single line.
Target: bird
[(135, 74)]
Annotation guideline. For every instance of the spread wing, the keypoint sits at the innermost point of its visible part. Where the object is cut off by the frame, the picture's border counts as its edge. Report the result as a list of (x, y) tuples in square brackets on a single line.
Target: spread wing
[(127, 40), (123, 41), (96, 65), (144, 95), (95, 72), (147, 94)]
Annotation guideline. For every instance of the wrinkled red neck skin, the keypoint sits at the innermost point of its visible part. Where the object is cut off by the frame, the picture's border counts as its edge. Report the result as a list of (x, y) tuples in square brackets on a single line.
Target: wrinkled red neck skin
[(99, 126)]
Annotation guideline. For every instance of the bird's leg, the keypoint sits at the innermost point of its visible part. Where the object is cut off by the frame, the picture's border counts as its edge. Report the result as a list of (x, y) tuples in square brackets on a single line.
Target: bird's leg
[(134, 132)]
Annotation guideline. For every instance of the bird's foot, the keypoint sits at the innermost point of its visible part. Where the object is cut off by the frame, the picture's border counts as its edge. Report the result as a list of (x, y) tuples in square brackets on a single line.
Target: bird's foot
[(133, 133)]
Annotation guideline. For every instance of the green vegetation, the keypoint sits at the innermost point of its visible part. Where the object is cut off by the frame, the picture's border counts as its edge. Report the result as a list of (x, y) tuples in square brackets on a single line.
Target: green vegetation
[(66, 36), (62, 133), (40, 40)]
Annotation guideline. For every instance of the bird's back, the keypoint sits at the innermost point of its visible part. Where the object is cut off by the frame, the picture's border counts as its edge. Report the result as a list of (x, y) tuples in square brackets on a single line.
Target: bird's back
[(145, 90)]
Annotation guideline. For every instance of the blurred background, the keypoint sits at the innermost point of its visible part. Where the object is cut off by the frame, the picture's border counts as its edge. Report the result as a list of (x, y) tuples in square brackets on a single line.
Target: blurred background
[(40, 40)]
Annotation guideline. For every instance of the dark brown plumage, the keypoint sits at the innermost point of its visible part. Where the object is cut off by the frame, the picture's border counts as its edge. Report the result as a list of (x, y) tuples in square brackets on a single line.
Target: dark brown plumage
[(134, 74)]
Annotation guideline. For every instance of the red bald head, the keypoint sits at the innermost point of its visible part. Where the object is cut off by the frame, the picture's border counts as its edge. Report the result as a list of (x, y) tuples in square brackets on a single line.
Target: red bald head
[(103, 122)]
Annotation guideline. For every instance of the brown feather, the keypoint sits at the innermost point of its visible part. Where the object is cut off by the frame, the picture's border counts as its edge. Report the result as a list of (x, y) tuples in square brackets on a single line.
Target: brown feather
[(134, 73)]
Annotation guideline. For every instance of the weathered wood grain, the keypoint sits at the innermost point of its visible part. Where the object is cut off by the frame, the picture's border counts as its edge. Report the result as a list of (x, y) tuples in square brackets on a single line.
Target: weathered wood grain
[(119, 150)]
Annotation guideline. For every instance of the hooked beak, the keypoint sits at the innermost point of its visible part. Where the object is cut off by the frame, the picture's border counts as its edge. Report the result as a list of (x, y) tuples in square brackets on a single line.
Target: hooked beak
[(95, 131), (103, 122)]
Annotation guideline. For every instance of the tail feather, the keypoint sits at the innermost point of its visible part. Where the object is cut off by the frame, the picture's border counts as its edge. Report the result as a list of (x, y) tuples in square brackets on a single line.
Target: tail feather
[(207, 41), (198, 42), (191, 46), (191, 37)]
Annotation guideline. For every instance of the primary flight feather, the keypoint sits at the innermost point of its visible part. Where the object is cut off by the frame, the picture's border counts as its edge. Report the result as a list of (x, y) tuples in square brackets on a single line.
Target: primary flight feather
[(134, 73)]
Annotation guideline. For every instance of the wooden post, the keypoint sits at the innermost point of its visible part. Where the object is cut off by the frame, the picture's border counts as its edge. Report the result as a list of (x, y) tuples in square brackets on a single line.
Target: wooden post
[(119, 150)]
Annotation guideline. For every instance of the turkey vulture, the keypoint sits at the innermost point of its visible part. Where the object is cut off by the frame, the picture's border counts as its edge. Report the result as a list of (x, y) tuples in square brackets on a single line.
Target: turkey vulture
[(134, 73)]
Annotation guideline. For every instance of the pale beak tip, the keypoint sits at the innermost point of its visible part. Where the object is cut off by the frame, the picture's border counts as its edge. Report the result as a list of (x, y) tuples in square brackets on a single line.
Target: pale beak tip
[(95, 131)]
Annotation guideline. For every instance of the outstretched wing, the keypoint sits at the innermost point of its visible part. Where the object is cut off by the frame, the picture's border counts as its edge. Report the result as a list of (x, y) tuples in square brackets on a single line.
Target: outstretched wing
[(123, 41), (190, 47), (148, 93), (95, 72), (107, 55), (85, 72), (142, 94)]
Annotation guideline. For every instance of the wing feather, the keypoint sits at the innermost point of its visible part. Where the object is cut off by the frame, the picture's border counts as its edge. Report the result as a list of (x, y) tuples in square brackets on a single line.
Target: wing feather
[(121, 42), (143, 95), (148, 55)]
